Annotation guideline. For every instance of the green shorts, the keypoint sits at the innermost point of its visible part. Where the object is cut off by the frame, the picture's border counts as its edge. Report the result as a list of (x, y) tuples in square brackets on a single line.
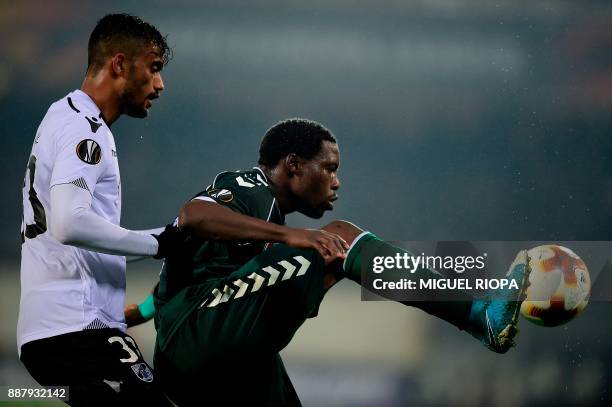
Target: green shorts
[(219, 340)]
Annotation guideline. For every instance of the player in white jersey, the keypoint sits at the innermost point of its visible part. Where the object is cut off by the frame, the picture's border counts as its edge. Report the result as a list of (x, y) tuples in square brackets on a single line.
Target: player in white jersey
[(71, 328)]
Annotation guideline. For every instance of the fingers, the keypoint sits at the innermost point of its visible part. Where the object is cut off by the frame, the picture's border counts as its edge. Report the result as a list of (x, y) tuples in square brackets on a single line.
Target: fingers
[(334, 244), (340, 243), (330, 245), (345, 245), (329, 256), (325, 248), (324, 252)]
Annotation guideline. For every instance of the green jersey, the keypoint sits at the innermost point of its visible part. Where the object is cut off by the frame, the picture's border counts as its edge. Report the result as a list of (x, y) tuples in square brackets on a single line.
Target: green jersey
[(224, 312), (245, 192)]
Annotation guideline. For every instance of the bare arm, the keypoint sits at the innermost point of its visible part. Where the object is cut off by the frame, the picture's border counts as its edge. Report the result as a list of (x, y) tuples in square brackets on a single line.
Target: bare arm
[(209, 220)]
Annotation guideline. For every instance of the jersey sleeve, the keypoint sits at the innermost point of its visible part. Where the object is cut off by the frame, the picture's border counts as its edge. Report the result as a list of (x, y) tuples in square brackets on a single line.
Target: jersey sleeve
[(242, 193), (79, 157)]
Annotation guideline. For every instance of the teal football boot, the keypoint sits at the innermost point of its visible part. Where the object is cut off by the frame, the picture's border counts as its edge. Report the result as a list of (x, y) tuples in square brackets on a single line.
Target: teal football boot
[(493, 321)]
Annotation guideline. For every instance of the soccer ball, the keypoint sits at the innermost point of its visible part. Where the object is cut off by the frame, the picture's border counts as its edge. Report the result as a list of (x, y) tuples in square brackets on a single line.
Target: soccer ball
[(559, 288)]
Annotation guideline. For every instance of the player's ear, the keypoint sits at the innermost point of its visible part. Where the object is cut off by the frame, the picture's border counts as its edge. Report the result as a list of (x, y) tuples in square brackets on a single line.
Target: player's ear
[(119, 64), (292, 164)]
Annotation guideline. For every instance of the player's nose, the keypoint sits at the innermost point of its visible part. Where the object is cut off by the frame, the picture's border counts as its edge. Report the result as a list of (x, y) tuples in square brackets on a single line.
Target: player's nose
[(335, 183), (158, 83)]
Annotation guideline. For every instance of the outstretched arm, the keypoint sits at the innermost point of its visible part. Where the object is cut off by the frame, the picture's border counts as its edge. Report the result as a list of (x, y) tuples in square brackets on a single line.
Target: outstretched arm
[(210, 220), (74, 223)]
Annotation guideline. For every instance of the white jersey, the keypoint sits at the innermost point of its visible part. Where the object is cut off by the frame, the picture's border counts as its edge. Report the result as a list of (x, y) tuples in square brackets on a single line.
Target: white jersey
[(65, 288)]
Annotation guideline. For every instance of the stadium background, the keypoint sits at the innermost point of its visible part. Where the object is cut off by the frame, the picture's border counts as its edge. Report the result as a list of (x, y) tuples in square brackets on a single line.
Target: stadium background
[(470, 120)]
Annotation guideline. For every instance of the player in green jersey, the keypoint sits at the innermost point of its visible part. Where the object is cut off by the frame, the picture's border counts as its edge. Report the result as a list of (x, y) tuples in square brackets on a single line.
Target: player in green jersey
[(233, 299)]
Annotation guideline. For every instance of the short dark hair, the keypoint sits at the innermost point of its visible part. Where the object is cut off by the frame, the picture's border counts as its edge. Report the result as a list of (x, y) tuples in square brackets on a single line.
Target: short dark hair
[(298, 136), (122, 33)]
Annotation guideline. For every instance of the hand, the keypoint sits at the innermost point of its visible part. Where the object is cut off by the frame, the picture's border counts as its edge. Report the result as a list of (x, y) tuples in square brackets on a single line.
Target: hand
[(330, 245), (171, 242), (132, 315)]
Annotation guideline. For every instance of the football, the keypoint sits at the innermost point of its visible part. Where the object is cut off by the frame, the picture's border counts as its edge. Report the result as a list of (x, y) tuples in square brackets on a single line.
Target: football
[(559, 288)]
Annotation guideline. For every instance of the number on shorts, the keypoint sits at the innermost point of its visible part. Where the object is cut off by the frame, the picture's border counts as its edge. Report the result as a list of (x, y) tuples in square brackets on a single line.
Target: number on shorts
[(134, 354)]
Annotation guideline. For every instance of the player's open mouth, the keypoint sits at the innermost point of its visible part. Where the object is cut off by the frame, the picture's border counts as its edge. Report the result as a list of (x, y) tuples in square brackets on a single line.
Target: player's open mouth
[(150, 100)]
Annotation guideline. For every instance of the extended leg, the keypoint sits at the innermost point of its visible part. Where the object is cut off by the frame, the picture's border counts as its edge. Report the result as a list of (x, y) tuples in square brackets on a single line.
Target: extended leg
[(493, 322), (455, 312)]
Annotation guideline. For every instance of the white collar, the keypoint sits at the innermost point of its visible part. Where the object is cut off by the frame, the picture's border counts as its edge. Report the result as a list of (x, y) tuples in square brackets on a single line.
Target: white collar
[(84, 101), (262, 173)]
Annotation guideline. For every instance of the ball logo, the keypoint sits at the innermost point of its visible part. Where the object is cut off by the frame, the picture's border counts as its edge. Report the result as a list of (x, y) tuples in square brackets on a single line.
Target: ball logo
[(222, 195), (89, 151)]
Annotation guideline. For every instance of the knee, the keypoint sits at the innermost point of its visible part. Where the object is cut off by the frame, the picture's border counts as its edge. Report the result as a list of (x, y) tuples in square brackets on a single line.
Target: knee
[(344, 229)]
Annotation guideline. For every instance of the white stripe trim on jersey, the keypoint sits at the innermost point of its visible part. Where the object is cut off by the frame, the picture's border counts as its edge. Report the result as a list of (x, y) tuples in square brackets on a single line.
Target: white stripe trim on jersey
[(262, 173), (204, 198), (217, 176), (362, 234), (271, 209), (265, 179)]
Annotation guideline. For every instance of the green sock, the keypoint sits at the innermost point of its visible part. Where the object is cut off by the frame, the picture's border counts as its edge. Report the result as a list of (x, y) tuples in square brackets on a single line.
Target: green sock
[(454, 312), (352, 263)]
